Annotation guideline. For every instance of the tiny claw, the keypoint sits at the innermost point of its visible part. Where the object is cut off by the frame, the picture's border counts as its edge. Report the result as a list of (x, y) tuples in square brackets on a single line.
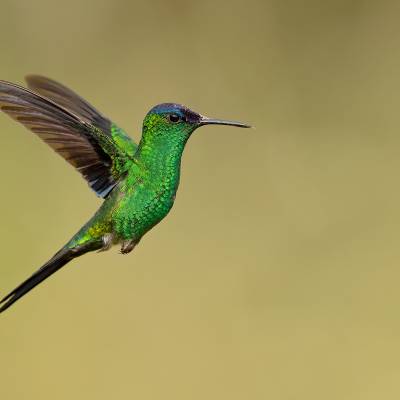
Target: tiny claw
[(128, 246)]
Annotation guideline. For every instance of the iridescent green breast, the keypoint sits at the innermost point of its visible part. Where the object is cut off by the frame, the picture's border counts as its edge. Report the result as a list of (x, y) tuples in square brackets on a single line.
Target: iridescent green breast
[(141, 206)]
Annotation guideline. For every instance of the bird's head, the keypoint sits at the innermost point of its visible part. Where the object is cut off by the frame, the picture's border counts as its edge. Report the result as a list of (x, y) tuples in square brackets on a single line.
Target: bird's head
[(176, 122)]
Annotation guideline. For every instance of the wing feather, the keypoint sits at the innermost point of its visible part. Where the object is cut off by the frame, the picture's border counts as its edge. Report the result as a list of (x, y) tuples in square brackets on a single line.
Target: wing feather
[(85, 146), (70, 100)]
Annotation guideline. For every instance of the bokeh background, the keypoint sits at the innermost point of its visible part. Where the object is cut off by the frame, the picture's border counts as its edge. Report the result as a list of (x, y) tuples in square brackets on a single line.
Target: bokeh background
[(276, 274)]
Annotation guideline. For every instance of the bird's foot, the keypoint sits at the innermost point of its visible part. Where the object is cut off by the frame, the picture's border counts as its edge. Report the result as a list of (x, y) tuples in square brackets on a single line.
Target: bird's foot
[(128, 246)]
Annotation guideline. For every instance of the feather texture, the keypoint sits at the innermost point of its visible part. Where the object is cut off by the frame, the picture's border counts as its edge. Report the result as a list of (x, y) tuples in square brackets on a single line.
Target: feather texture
[(70, 100), (64, 256), (85, 146)]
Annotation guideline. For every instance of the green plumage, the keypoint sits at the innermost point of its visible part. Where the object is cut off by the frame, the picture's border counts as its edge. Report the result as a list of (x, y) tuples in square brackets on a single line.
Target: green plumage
[(147, 192), (138, 182)]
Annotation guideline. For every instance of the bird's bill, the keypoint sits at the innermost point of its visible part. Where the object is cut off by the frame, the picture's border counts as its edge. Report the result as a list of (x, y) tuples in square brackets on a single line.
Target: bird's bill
[(212, 121)]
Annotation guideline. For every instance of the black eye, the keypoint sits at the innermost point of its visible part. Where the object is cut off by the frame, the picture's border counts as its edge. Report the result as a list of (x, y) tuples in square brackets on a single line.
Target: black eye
[(173, 117)]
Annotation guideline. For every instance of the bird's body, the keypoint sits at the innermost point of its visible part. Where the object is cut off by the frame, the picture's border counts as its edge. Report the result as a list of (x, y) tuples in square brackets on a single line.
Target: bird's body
[(138, 202), (138, 182)]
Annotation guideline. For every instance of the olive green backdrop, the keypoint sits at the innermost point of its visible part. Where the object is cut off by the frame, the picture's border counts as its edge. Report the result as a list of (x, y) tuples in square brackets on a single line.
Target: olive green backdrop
[(276, 274)]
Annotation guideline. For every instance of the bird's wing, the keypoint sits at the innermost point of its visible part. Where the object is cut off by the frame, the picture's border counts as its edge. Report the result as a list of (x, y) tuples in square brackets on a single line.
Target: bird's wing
[(94, 152), (68, 99)]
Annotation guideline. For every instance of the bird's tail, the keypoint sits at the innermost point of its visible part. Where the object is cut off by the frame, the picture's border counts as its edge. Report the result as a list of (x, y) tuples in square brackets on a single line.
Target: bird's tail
[(64, 256)]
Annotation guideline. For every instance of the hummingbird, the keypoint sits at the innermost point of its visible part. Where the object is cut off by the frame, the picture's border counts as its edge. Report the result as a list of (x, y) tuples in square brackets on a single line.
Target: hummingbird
[(138, 182)]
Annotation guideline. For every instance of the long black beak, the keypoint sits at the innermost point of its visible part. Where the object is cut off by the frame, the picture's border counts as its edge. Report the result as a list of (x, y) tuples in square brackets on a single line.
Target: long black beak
[(211, 121)]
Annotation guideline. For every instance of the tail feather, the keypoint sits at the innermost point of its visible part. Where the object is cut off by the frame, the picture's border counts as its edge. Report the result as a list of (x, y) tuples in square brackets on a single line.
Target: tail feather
[(64, 256)]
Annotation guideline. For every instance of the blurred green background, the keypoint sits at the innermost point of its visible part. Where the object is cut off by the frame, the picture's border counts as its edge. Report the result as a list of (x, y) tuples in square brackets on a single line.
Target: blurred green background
[(276, 274)]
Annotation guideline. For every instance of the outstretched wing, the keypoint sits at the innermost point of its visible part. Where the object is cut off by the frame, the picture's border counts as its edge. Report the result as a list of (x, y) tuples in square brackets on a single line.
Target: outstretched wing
[(68, 99), (92, 151)]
